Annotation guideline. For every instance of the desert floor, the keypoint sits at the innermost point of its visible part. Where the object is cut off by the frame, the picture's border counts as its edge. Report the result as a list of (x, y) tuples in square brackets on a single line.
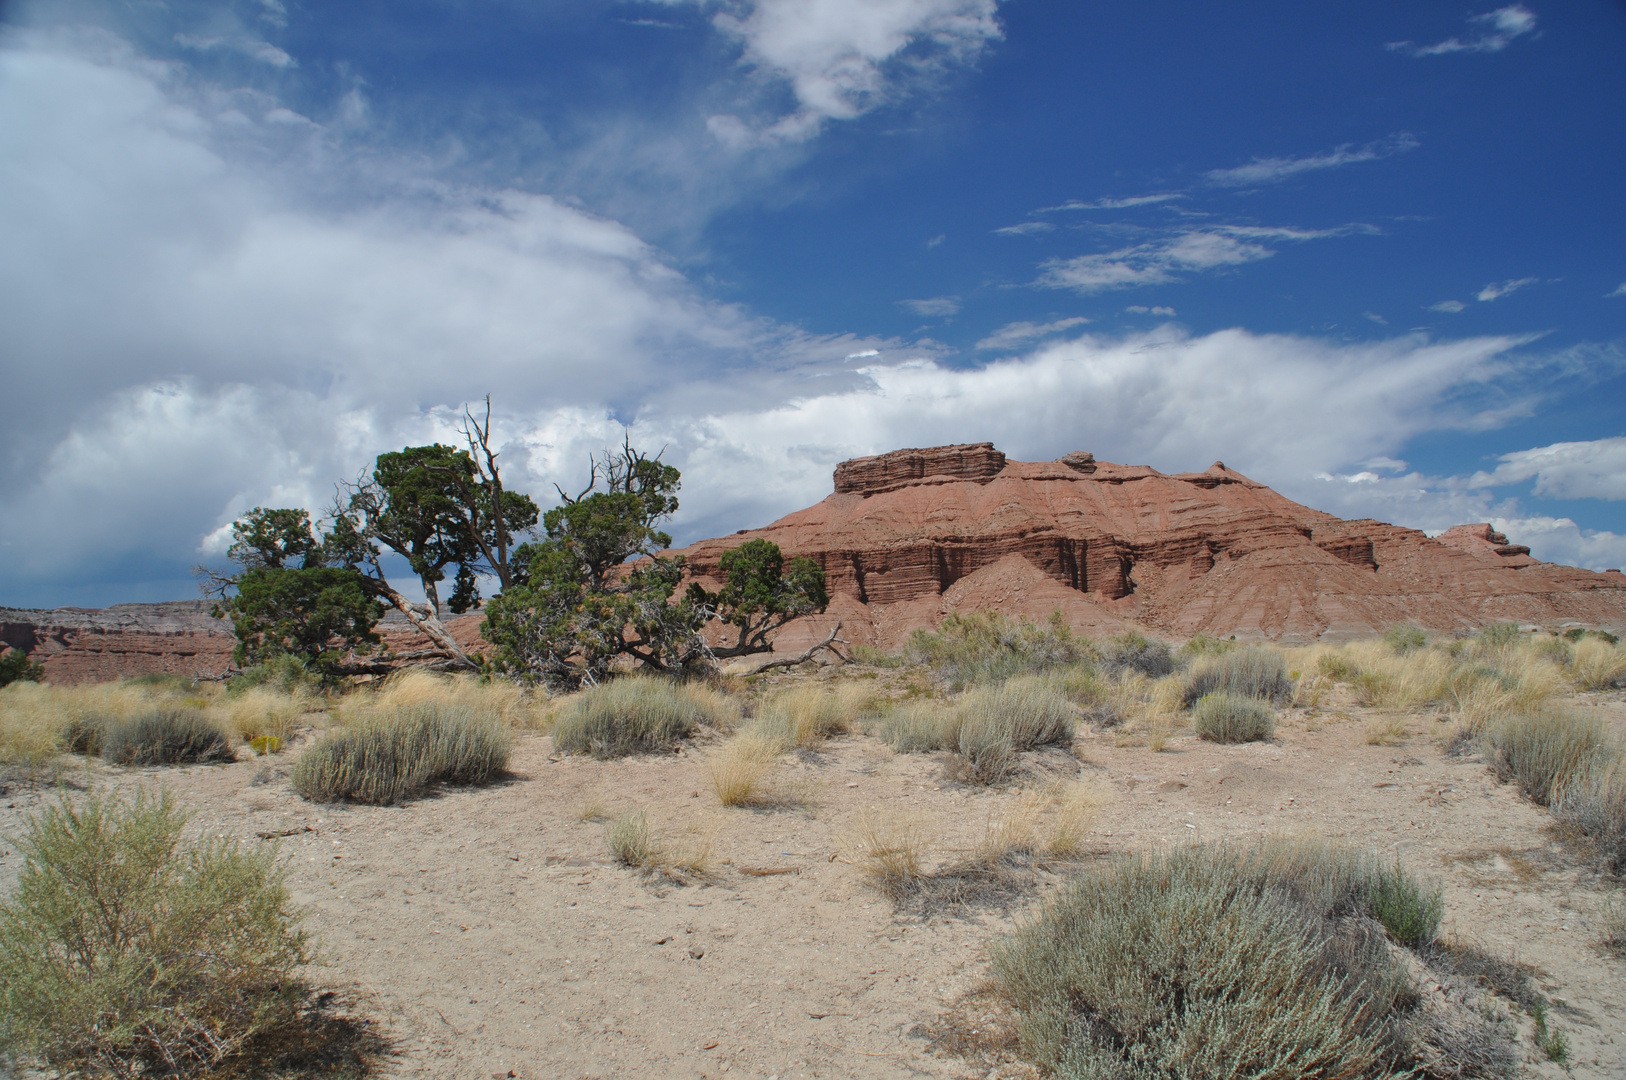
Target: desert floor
[(490, 932)]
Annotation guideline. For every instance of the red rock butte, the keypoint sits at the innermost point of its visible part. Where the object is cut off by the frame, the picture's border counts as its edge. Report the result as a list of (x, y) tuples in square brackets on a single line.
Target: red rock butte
[(911, 536)]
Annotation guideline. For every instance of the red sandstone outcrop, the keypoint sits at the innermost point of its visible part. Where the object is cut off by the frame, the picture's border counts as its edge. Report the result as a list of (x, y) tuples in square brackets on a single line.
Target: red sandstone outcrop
[(78, 645), (913, 535)]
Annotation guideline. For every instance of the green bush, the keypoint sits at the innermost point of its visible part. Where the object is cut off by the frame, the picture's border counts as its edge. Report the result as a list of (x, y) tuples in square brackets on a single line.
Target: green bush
[(1230, 718), (1205, 963), (392, 757), (633, 715), (985, 647), (15, 666), (1207, 645), (161, 737), (629, 839), (1253, 671), (126, 949), (1410, 910)]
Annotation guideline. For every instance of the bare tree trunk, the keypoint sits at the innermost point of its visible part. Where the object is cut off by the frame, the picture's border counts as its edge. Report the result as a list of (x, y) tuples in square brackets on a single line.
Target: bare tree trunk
[(792, 661), (428, 625)]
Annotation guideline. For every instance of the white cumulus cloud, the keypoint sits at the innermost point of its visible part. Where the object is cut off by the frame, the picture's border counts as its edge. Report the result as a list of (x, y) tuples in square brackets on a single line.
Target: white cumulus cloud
[(842, 58), (1595, 469)]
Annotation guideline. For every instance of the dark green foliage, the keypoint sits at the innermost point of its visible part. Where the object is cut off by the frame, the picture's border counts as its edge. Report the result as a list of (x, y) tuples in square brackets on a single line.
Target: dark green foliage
[(1409, 909), (1576, 634), (761, 594), (1251, 672), (15, 666), (576, 605), (1133, 652), (165, 737), (319, 614), (986, 647), (127, 950), (1231, 718), (1207, 645), (397, 757)]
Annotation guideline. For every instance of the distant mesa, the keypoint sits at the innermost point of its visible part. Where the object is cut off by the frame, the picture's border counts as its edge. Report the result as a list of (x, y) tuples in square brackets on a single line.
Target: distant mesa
[(914, 535), (911, 536)]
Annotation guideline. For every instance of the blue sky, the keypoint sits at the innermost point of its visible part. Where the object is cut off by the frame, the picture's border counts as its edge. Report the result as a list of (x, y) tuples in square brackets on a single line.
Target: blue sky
[(1372, 254)]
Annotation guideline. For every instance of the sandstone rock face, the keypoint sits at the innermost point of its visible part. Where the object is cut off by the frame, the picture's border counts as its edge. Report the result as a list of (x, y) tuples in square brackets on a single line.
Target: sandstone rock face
[(977, 462), (912, 536)]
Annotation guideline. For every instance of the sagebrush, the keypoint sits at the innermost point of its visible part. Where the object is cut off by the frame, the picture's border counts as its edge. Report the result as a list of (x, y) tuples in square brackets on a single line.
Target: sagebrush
[(638, 714), (128, 950)]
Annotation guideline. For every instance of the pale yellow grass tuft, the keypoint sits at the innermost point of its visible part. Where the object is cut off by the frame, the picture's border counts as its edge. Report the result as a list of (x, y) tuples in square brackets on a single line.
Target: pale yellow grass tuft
[(889, 850), (494, 699), (39, 721), (1599, 665), (1053, 821), (259, 712), (633, 842), (738, 769), (1386, 731)]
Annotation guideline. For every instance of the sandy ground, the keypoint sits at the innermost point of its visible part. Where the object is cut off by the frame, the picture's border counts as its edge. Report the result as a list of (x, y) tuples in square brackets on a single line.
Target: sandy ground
[(489, 931)]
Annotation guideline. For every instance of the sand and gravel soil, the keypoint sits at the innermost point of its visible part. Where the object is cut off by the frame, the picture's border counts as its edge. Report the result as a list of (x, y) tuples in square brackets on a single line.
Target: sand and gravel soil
[(489, 932)]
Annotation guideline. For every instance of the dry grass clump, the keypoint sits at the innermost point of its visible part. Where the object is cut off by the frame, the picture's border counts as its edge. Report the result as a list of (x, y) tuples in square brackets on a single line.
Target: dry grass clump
[(261, 713), (634, 844), (493, 699), (389, 758), (1593, 801), (985, 647), (889, 851), (39, 721), (1233, 718), (126, 950), (1612, 937), (638, 714), (1250, 672), (1599, 664), (1133, 653), (1211, 962), (801, 717), (166, 737), (738, 771), (986, 728)]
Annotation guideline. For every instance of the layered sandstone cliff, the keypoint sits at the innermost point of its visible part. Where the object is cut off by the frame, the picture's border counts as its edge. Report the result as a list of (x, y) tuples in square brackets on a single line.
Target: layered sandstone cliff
[(913, 535)]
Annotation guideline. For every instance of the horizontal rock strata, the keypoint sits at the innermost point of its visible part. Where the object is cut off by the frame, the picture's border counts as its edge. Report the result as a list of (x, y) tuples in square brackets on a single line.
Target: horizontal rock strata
[(910, 536)]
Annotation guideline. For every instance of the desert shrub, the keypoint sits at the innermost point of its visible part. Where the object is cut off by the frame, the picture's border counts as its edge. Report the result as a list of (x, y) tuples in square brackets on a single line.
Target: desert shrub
[(1592, 800), (1542, 751), (1207, 645), (986, 647), (32, 730), (1253, 672), (390, 758), (1404, 637), (637, 714), (165, 737), (128, 950), (1132, 652), (1232, 718), (986, 728), (1204, 962)]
